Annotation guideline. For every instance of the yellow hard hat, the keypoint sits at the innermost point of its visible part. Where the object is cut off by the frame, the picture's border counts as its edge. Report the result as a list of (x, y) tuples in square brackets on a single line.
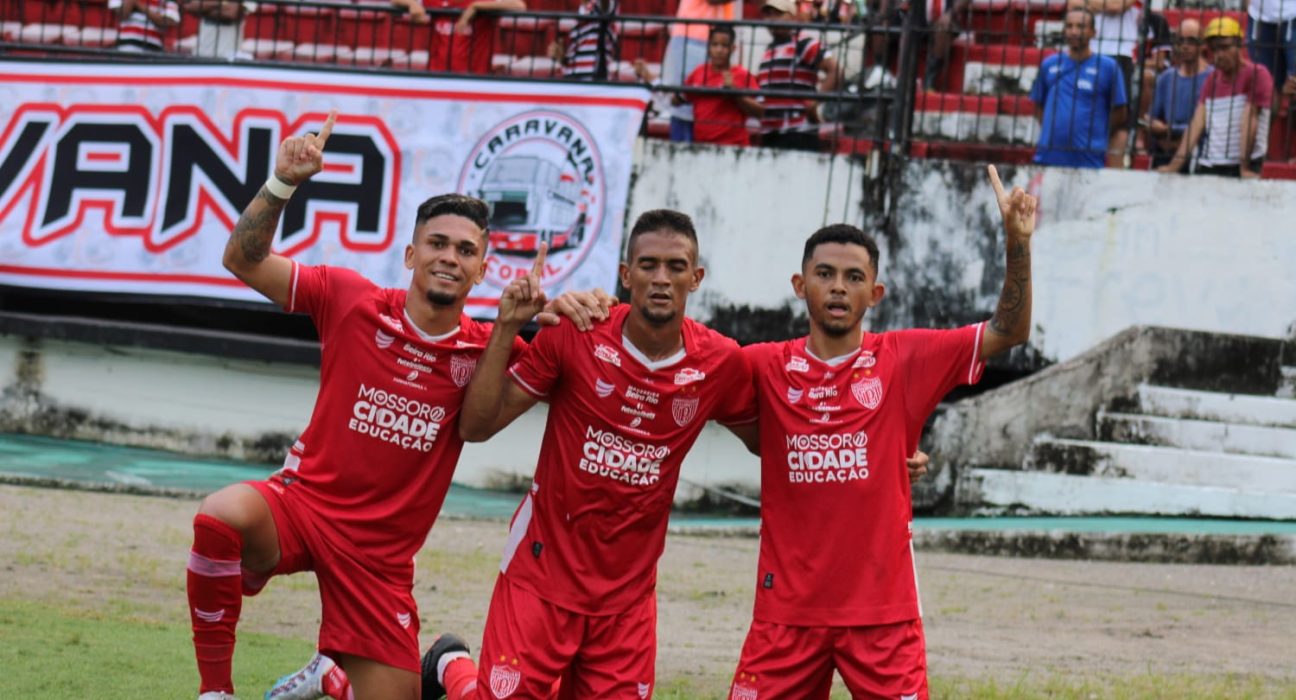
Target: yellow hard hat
[(1223, 27)]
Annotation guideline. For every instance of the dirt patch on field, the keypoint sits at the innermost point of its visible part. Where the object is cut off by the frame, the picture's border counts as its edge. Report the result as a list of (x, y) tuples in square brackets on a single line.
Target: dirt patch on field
[(984, 616)]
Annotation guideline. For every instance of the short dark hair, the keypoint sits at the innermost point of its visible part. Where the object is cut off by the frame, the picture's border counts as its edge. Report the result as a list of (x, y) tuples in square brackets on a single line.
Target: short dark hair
[(1085, 11), (723, 29), (662, 220), (842, 233), (470, 208)]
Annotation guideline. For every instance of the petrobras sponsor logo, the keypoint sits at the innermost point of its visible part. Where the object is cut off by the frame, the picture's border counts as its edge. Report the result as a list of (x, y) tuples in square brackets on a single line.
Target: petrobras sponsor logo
[(602, 388), (403, 619), (608, 354), (634, 393), (420, 353), (688, 375), (820, 393), (461, 368), (382, 340), (683, 409), (865, 360), (827, 458), (504, 680), (794, 395), (416, 366), (868, 391), (639, 412), (392, 323), (797, 364), (392, 418), (615, 457)]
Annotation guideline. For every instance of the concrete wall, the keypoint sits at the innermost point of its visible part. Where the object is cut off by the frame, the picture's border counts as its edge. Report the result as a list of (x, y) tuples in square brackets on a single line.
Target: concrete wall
[(1113, 248)]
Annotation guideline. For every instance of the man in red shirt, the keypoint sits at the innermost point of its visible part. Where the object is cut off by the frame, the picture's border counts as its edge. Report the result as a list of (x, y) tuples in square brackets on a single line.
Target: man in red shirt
[(576, 598), (838, 411), (363, 484), (721, 119), (466, 45)]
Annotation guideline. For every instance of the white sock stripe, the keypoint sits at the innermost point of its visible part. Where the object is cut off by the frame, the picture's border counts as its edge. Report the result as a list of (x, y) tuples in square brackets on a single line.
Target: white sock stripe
[(214, 567), (212, 616)]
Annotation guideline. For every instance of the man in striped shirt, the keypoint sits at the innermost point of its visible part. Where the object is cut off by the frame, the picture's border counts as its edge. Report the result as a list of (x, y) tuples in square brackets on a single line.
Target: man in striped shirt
[(792, 62), (590, 49), (1232, 111), (141, 23)]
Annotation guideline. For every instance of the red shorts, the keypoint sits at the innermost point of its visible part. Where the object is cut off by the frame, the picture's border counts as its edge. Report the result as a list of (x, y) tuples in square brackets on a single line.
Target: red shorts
[(532, 647), (878, 661), (368, 607)]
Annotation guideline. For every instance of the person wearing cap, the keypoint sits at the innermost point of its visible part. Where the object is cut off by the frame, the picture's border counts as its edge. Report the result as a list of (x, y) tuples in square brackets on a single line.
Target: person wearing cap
[(1232, 116), (1080, 101), (792, 63), (1271, 38)]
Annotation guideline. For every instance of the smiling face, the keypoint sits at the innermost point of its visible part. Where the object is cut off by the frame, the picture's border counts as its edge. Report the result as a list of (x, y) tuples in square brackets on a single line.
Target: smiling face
[(447, 255), (839, 284), (661, 272)]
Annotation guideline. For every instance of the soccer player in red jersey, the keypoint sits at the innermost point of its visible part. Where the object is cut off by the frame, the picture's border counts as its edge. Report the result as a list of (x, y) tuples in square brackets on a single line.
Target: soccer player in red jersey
[(836, 585), (575, 599), (363, 484)]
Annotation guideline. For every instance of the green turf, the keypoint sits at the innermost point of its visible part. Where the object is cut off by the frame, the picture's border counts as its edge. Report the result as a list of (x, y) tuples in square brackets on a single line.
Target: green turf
[(61, 654)]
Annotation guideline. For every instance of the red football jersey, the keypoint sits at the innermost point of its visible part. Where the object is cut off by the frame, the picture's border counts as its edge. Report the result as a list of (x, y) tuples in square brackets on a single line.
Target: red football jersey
[(835, 505), (461, 52), (588, 536), (383, 440)]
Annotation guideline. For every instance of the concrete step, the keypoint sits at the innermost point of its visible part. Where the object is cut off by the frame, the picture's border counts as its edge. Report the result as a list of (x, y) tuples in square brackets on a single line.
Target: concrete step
[(1171, 465), (1214, 406), (1192, 434), (1065, 494)]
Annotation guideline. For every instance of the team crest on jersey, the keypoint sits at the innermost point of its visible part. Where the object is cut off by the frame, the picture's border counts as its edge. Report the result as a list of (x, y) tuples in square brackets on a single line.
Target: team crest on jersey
[(797, 364), (683, 410), (868, 391), (742, 692), (865, 360), (643, 689), (688, 375), (794, 395), (461, 369), (603, 389), (382, 340), (504, 680), (608, 354)]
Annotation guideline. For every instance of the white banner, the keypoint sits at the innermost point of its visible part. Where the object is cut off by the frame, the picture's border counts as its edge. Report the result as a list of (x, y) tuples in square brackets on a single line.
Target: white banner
[(129, 178)]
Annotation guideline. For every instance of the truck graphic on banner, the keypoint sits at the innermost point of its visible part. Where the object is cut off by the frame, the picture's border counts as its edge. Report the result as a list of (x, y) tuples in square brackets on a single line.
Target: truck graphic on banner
[(532, 200)]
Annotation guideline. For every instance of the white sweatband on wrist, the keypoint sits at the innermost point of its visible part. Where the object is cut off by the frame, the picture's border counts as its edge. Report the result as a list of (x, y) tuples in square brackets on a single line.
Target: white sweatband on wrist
[(279, 188)]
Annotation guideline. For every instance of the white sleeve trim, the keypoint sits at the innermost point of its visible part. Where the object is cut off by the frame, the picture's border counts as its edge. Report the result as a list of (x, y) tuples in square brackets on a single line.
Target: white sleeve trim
[(526, 387), (292, 295), (978, 365)]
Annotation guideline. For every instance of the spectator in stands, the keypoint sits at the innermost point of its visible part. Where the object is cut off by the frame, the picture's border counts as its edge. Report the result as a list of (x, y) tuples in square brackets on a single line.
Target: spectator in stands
[(1271, 39), (220, 26), (687, 49), (1116, 34), (792, 62), (467, 44), (141, 24), (417, 13), (1177, 89), (1233, 111), (589, 51), (1079, 101), (939, 35), (719, 119)]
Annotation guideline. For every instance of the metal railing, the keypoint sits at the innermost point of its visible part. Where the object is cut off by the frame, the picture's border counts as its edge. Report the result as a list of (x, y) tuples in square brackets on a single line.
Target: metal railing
[(895, 90)]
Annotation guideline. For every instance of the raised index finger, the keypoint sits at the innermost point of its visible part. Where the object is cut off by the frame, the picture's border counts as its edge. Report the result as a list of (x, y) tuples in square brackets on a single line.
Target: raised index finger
[(326, 130), (994, 181), (538, 268)]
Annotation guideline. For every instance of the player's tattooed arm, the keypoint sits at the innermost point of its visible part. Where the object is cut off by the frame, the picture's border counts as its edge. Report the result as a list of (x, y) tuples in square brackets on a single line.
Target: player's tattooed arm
[(247, 253), (1010, 325)]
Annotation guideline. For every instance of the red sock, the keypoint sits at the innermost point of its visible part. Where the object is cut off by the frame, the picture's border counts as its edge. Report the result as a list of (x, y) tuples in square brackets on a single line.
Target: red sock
[(215, 597), (460, 679)]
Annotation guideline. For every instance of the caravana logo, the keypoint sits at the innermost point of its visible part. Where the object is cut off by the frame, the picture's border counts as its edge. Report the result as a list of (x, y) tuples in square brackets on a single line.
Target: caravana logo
[(541, 174), (162, 177)]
